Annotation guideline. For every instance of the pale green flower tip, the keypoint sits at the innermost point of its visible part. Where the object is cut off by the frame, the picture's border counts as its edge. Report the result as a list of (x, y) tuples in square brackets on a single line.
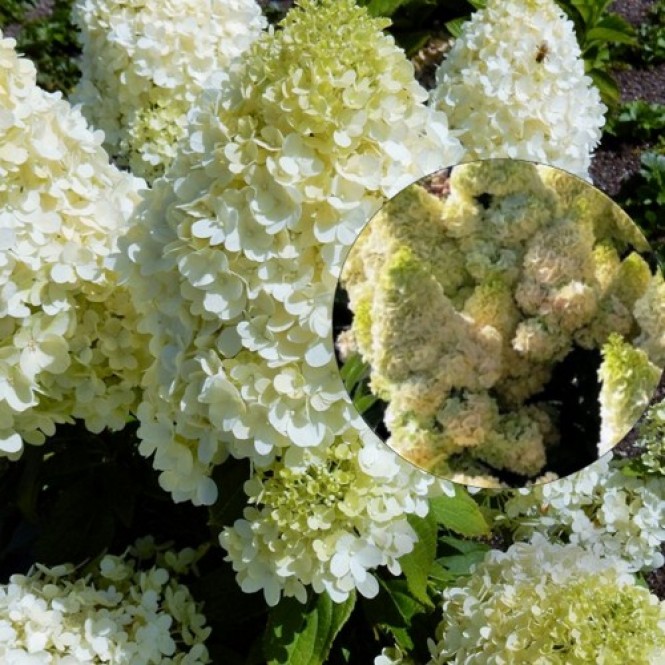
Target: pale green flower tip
[(362, 325), (629, 380), (543, 603), (632, 279), (497, 177)]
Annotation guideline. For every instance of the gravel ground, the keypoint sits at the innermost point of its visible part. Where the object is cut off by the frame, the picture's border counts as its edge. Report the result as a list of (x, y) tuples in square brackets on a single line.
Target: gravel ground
[(634, 11), (615, 161)]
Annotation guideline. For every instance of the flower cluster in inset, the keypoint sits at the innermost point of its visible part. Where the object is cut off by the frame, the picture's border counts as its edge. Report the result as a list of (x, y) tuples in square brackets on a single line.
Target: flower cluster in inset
[(233, 260), (69, 345), (144, 64), (464, 306), (549, 603), (513, 85), (120, 611)]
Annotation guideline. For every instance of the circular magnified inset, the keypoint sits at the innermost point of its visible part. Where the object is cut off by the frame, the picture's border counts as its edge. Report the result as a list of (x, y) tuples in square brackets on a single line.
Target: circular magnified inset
[(500, 323)]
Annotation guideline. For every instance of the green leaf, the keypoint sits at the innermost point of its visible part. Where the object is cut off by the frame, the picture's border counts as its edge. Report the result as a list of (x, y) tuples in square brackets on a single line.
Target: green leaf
[(459, 513), (460, 564), (364, 402), (464, 546), (394, 608), (603, 34), (416, 565), (383, 7), (440, 575), (454, 27), (607, 86), (300, 634), (353, 372), (412, 42)]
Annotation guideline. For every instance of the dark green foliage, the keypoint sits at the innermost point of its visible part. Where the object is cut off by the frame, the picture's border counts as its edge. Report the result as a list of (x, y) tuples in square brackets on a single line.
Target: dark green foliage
[(45, 34), (637, 121), (643, 198), (303, 634), (648, 49), (598, 30), (651, 36)]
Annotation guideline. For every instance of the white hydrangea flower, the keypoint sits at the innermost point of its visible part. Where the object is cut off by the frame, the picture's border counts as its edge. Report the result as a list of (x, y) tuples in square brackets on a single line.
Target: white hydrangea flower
[(69, 346), (598, 508), (118, 613), (514, 86), (234, 257), (327, 518), (548, 604), (144, 64)]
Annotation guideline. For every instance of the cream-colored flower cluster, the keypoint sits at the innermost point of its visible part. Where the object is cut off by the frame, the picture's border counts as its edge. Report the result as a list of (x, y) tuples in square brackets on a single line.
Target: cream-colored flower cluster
[(234, 260), (326, 518), (628, 379), (144, 63), (463, 307), (120, 612), (514, 86), (599, 508), (549, 604), (69, 346)]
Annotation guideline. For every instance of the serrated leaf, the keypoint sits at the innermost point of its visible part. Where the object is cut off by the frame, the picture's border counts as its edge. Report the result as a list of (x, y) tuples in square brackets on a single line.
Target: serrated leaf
[(300, 634), (440, 575), (459, 513), (416, 565)]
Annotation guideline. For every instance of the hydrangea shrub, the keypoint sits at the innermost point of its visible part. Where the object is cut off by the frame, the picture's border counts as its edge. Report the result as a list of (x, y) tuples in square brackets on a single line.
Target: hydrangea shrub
[(144, 64), (513, 85), (547, 603), (69, 346), (599, 508), (234, 258), (464, 306), (121, 612)]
